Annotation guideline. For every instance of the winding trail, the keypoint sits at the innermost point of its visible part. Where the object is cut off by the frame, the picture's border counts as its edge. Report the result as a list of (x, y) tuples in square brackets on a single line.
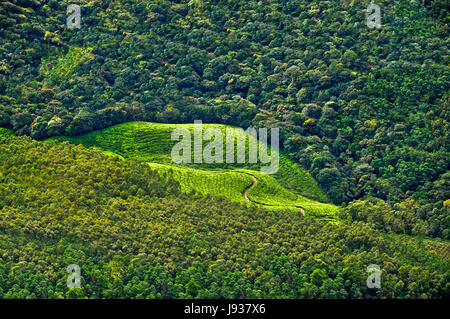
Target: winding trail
[(255, 181), (245, 193)]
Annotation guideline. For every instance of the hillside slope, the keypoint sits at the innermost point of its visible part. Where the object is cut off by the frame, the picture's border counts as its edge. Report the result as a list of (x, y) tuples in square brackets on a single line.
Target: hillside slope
[(364, 110), (151, 142), (134, 234)]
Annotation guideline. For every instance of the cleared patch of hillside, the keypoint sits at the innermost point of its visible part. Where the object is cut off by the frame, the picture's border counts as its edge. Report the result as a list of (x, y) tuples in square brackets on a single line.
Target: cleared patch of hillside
[(150, 142), (289, 190)]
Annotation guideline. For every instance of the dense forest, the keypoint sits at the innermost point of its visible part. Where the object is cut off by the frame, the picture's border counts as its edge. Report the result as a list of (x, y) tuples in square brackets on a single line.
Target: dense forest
[(135, 235), (364, 110)]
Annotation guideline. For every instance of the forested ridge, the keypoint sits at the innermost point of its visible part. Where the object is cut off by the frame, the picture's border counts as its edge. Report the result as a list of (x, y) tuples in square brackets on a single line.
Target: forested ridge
[(135, 235), (364, 111)]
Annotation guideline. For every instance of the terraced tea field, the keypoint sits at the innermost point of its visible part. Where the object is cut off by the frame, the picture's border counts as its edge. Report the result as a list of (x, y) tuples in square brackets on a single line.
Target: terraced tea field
[(270, 193), (230, 184), (290, 189)]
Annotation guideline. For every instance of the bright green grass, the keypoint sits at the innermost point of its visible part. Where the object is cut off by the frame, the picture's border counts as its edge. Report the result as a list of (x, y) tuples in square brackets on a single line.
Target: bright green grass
[(230, 184), (150, 142), (269, 192)]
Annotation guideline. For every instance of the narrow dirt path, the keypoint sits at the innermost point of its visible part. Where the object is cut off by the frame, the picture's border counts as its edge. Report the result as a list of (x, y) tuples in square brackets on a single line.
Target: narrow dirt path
[(245, 193), (255, 181)]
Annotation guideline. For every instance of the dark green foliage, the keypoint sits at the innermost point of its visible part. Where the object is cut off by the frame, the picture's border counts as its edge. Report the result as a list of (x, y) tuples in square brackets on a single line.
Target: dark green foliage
[(359, 108), (365, 111), (135, 235)]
